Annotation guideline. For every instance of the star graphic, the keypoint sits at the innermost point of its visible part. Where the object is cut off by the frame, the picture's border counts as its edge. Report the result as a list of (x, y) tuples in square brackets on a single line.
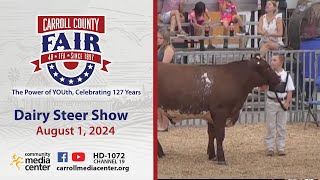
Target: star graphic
[(70, 81), (62, 79), (79, 79), (51, 66), (86, 74), (55, 56), (55, 74), (68, 55), (90, 66)]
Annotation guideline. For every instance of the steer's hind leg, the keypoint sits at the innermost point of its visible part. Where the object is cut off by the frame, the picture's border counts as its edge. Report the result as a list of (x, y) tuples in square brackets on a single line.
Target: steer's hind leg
[(220, 133), (220, 117), (210, 149)]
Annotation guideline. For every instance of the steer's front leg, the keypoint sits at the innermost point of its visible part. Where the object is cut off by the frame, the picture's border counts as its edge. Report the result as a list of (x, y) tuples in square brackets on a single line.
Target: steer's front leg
[(220, 116)]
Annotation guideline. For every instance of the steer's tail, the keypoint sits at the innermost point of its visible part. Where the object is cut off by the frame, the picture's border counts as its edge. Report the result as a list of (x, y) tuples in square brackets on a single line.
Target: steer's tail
[(171, 121), (160, 150), (170, 118)]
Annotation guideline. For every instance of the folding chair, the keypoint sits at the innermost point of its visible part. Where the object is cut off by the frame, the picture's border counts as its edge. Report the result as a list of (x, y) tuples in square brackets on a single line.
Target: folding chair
[(311, 104)]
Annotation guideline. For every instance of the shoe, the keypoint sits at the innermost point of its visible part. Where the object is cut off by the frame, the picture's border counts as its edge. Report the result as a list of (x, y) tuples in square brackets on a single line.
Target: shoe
[(281, 153), (172, 33), (182, 33), (210, 46), (269, 153)]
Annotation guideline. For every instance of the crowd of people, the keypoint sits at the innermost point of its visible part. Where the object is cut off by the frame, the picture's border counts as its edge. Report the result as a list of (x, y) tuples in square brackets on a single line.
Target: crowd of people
[(270, 27)]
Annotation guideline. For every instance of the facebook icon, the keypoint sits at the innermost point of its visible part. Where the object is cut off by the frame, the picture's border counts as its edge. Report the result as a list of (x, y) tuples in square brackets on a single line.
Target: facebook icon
[(62, 157)]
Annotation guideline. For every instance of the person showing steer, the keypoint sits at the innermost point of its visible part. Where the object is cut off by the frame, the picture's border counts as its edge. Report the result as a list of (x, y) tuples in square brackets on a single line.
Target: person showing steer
[(276, 107), (215, 93)]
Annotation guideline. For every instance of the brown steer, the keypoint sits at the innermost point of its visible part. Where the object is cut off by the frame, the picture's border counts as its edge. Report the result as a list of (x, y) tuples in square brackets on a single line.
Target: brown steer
[(215, 93)]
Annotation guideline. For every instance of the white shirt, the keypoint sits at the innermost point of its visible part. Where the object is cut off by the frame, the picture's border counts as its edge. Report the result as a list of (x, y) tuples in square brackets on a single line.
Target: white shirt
[(272, 28), (289, 87)]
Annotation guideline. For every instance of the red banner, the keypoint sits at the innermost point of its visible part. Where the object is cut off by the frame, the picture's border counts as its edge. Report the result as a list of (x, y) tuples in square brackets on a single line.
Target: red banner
[(87, 23), (72, 56)]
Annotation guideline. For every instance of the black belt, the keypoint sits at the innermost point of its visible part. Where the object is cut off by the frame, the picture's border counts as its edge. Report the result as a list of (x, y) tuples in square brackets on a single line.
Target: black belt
[(276, 100)]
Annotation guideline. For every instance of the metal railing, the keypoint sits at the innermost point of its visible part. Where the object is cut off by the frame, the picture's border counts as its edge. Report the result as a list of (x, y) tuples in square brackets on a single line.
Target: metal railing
[(251, 25), (186, 24), (303, 66)]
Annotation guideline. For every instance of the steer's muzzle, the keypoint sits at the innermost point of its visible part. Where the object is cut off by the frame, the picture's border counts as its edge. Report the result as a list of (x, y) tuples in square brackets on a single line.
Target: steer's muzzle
[(273, 79)]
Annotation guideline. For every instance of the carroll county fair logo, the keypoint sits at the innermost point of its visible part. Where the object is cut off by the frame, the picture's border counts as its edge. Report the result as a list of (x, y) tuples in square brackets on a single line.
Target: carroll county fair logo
[(70, 47)]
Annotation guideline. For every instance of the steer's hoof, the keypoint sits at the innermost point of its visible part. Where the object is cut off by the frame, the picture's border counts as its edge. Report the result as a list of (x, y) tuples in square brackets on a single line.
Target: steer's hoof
[(222, 163), (161, 154), (213, 158)]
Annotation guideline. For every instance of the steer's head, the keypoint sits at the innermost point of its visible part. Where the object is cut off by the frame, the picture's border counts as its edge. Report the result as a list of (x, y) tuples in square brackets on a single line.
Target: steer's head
[(263, 74)]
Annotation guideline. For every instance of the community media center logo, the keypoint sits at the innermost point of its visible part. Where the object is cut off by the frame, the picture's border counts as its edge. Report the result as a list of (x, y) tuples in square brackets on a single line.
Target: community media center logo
[(31, 161), (16, 161), (70, 47)]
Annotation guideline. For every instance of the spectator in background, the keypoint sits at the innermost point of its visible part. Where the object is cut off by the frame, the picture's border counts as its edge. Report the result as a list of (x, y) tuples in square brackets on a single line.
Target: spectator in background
[(165, 49), (270, 28), (196, 18), (228, 15), (165, 55), (282, 7), (171, 14)]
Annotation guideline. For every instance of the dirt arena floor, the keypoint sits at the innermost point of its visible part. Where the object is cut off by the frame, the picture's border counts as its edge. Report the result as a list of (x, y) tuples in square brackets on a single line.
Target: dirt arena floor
[(185, 149)]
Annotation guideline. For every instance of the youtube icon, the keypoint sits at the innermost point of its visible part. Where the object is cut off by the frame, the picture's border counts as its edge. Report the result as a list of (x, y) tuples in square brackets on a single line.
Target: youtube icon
[(78, 156)]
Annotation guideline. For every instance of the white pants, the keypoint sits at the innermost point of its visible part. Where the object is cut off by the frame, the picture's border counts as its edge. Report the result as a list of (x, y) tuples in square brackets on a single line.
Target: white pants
[(276, 125)]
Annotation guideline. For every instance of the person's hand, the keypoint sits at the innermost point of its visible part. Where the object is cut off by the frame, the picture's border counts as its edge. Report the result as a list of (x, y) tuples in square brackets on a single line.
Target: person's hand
[(264, 88), (286, 105), (266, 35)]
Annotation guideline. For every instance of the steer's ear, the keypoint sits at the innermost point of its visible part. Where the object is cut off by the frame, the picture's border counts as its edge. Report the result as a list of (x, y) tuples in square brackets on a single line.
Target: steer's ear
[(258, 57), (257, 61)]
